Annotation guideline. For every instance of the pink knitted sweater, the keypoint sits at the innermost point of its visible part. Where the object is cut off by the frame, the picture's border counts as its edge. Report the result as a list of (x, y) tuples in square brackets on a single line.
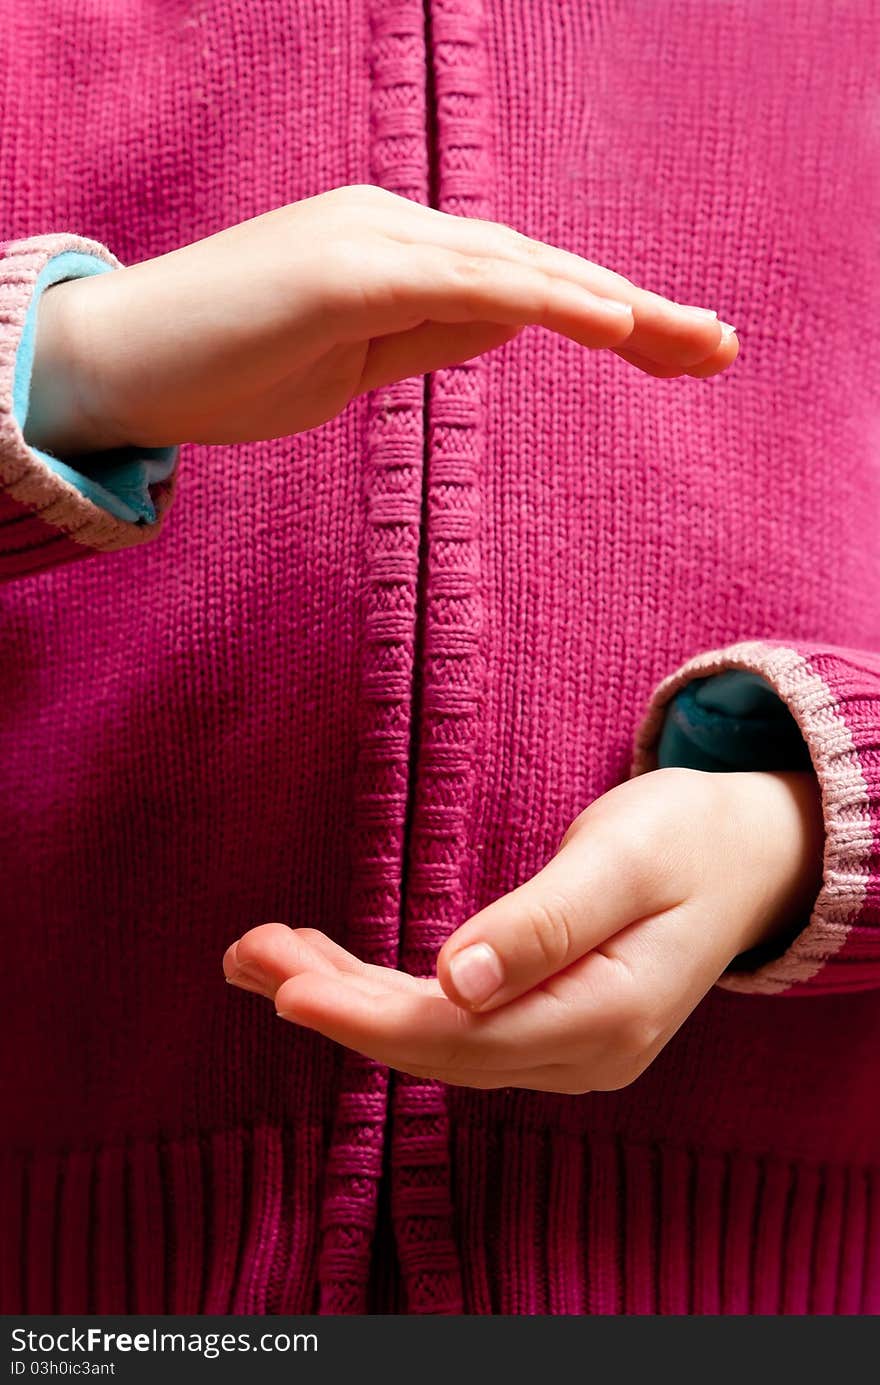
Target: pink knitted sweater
[(364, 678)]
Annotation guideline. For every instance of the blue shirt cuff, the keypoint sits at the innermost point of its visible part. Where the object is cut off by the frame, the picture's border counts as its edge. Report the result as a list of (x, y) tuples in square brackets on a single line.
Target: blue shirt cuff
[(117, 480)]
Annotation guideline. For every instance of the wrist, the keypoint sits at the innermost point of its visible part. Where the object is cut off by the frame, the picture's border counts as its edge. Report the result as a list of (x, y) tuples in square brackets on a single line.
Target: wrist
[(64, 418), (785, 825)]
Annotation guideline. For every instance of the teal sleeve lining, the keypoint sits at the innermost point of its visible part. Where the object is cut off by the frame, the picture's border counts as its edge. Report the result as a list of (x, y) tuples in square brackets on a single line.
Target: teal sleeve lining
[(731, 721), (117, 480)]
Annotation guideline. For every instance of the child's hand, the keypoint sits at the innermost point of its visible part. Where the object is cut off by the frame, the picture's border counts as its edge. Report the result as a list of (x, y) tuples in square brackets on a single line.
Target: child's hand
[(595, 962), (272, 326)]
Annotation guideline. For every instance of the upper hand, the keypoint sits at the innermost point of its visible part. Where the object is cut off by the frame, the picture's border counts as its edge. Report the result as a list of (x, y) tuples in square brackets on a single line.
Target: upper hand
[(598, 959), (271, 326)]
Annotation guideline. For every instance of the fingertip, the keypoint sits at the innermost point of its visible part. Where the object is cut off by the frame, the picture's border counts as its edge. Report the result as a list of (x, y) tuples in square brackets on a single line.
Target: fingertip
[(229, 960), (723, 356), (618, 310), (289, 999), (731, 344), (624, 329), (617, 324), (310, 996), (587, 318), (259, 944), (241, 972), (673, 336), (647, 365)]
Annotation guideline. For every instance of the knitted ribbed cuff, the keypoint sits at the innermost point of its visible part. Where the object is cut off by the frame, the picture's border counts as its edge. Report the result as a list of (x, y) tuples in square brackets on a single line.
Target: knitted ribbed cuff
[(833, 696), (44, 507)]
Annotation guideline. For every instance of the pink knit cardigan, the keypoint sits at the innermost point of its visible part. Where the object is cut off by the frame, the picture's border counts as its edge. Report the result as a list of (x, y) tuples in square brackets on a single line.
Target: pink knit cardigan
[(364, 678)]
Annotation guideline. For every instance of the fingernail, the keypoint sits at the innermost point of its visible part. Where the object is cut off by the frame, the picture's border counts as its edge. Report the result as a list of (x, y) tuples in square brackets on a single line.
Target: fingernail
[(614, 305), (727, 331), (476, 973), (696, 311), (248, 977)]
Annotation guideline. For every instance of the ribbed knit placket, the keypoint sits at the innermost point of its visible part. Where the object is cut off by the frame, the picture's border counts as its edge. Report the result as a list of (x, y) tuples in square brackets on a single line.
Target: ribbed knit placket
[(393, 504), (451, 666), (422, 674)]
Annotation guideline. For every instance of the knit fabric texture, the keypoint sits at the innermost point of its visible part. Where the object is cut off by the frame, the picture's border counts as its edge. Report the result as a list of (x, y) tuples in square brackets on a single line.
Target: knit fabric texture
[(364, 678)]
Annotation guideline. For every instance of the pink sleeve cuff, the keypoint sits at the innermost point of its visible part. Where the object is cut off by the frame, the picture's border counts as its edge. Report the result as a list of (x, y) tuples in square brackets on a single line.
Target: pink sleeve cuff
[(44, 518), (834, 696)]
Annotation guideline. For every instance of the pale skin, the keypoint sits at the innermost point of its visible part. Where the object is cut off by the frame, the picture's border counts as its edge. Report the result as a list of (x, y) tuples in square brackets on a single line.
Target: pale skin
[(658, 885), (272, 327)]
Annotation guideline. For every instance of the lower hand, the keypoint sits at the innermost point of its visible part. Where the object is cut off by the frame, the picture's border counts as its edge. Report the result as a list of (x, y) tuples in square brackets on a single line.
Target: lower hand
[(272, 326), (591, 966)]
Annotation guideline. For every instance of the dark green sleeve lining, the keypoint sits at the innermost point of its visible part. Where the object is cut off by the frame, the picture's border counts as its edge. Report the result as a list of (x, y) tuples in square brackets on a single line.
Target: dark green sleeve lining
[(731, 721)]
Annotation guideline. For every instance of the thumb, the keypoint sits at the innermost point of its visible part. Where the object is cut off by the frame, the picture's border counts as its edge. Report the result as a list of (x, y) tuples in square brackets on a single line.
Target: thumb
[(607, 874)]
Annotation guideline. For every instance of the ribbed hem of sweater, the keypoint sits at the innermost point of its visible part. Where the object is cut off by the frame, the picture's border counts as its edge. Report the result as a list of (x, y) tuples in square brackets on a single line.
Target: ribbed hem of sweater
[(548, 1221)]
